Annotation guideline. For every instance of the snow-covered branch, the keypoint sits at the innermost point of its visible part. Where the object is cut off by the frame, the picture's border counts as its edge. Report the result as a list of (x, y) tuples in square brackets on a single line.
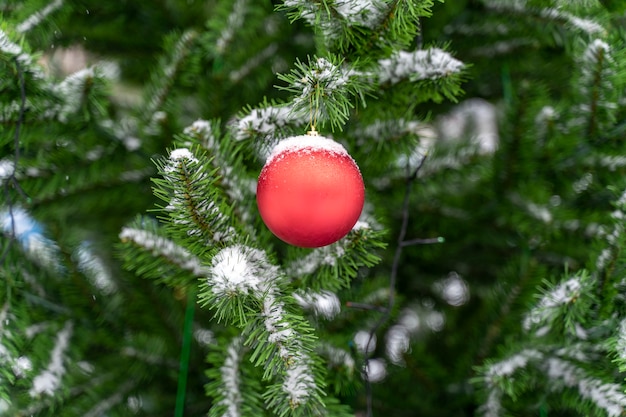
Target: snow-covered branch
[(49, 380), (423, 64), (163, 247)]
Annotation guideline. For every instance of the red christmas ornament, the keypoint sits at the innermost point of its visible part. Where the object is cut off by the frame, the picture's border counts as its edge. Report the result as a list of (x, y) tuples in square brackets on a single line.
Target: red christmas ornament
[(310, 192)]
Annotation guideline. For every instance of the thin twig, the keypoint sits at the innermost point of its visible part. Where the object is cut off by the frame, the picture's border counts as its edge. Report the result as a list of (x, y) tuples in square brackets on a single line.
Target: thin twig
[(422, 241), (392, 278), (362, 306)]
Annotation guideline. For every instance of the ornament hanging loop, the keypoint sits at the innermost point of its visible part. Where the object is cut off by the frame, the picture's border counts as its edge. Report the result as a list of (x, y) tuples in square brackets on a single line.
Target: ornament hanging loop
[(313, 110)]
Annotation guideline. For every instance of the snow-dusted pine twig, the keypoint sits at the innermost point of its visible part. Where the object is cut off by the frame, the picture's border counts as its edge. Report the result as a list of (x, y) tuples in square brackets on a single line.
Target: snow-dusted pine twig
[(39, 16), (596, 87), (324, 303), (267, 122), (163, 79), (428, 64), (206, 133), (280, 342), (163, 247), (192, 199), (324, 88), (49, 380)]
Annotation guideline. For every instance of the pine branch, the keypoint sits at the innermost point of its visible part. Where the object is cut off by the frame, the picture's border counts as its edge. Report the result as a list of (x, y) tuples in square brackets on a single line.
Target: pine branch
[(226, 388), (39, 16), (195, 207), (435, 73), (596, 83), (234, 23), (561, 345), (364, 28), (8, 346), (11, 179), (324, 303), (12, 50), (244, 289), (324, 88), (48, 382), (268, 122), (399, 25), (115, 399), (152, 254), (562, 307), (547, 14), (227, 159), (163, 79), (517, 373), (334, 266)]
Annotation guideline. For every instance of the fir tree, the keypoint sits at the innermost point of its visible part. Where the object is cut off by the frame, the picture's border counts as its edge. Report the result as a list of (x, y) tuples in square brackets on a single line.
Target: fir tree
[(483, 277)]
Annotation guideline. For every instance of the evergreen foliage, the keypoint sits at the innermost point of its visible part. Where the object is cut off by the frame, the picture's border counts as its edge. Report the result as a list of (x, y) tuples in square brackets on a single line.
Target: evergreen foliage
[(485, 276)]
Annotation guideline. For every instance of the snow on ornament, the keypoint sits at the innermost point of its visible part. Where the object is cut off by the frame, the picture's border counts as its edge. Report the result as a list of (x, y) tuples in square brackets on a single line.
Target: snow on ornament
[(310, 192)]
